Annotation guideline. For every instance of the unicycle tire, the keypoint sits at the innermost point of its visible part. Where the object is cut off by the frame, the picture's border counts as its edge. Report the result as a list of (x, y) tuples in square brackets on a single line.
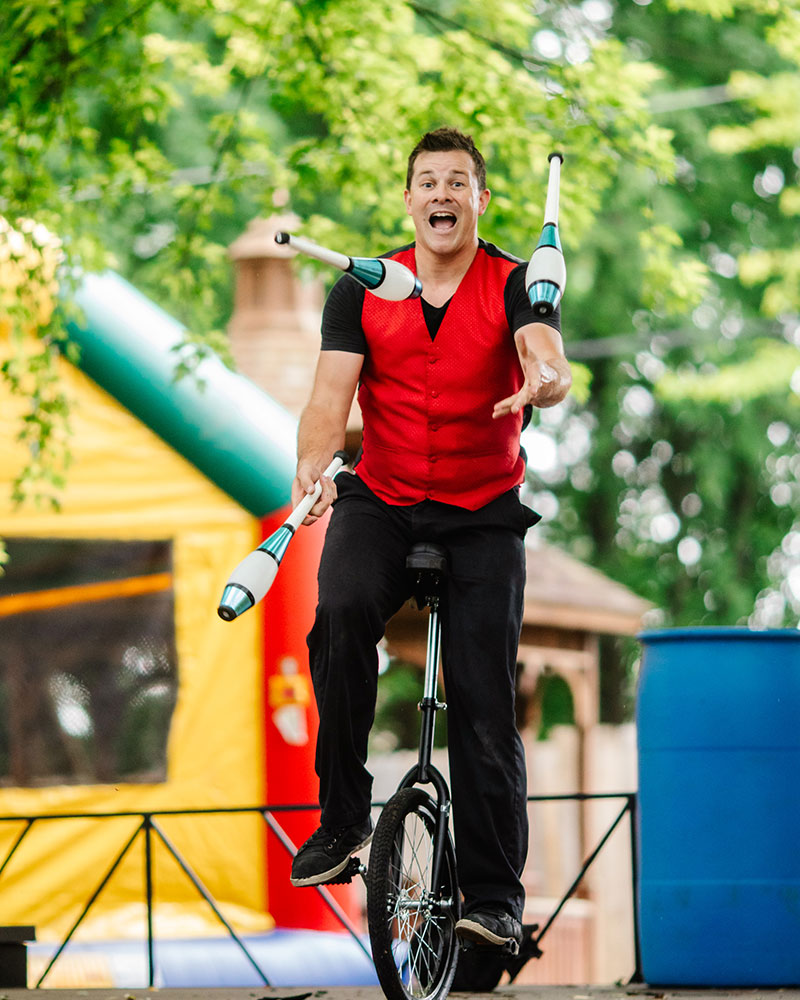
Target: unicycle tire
[(412, 926)]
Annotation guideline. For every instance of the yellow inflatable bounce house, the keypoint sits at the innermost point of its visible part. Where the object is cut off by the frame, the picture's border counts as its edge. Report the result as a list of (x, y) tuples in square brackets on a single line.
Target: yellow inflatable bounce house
[(141, 737)]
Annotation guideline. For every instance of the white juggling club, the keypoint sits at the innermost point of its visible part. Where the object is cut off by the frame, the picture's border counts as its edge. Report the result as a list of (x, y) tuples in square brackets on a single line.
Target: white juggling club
[(388, 279), (254, 575), (546, 276)]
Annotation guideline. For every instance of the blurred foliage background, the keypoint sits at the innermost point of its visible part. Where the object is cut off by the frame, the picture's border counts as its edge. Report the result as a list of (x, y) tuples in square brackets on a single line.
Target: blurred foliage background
[(144, 136)]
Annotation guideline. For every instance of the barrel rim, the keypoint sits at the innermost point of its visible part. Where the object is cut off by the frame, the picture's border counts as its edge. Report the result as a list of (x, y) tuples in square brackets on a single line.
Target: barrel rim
[(717, 632)]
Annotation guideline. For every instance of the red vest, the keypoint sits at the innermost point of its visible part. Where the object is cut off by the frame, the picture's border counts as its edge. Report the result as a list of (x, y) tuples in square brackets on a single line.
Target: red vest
[(427, 404)]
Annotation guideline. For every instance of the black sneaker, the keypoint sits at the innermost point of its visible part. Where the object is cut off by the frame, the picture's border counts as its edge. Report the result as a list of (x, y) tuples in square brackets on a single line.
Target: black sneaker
[(491, 928), (327, 852)]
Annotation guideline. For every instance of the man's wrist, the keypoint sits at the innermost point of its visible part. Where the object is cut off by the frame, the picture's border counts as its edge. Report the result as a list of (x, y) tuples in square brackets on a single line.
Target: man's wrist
[(557, 368)]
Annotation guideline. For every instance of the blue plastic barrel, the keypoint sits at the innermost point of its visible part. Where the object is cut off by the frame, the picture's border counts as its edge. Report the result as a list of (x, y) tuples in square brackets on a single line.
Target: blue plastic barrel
[(718, 717)]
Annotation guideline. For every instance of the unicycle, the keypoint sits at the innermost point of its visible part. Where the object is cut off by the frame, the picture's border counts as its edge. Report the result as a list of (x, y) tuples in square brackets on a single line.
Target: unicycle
[(413, 902)]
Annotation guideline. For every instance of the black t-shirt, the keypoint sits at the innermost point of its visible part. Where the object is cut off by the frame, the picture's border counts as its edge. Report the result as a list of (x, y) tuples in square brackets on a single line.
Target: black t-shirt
[(341, 317)]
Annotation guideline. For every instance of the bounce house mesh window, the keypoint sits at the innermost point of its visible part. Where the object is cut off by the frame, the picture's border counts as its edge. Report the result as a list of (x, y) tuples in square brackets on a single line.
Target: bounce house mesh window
[(88, 667)]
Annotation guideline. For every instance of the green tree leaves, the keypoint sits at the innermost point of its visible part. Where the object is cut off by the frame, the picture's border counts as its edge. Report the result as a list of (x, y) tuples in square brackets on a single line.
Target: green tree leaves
[(147, 134)]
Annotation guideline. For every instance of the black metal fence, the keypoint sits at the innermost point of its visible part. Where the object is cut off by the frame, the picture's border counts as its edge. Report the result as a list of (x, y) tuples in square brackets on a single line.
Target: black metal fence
[(149, 827)]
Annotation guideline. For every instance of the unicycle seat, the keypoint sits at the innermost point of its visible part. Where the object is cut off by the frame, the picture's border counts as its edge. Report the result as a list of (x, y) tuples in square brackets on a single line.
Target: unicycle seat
[(427, 556), (427, 565)]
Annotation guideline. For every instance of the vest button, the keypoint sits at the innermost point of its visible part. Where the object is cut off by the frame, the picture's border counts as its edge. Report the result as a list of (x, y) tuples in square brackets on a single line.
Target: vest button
[(434, 393), (434, 458), (432, 361)]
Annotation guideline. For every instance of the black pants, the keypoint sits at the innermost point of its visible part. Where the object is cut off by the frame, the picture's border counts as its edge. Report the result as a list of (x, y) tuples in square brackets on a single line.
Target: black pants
[(362, 583)]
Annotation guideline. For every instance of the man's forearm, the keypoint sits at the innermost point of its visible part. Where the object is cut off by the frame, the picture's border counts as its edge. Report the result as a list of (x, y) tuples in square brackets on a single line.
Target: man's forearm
[(323, 422), (319, 436), (548, 376)]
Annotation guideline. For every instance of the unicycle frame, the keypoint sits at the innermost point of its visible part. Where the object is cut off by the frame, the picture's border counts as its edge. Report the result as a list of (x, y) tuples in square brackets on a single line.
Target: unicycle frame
[(413, 902), (424, 772)]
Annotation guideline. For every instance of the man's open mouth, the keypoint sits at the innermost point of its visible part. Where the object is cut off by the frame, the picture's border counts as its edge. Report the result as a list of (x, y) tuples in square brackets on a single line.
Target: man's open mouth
[(442, 220)]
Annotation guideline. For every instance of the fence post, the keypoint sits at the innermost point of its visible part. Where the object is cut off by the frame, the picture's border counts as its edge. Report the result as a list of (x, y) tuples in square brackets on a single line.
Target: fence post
[(147, 823), (637, 949)]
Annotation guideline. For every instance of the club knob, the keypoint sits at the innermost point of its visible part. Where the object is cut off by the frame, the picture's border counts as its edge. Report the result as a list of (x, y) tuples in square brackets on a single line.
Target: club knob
[(234, 602)]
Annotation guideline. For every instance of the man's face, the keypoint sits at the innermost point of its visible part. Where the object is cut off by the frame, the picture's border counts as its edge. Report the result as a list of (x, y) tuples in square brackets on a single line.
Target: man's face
[(445, 202)]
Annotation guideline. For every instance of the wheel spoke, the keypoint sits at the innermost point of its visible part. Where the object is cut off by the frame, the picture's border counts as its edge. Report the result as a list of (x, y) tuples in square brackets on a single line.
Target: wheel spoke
[(416, 926)]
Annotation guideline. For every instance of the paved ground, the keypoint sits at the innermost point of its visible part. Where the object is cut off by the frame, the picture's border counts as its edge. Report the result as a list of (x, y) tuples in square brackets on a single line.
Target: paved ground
[(373, 993)]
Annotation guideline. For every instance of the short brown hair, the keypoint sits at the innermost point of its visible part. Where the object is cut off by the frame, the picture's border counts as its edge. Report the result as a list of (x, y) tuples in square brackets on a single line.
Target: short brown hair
[(442, 140)]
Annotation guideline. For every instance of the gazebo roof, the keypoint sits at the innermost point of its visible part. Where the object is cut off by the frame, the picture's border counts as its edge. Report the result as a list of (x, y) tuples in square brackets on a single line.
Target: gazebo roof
[(564, 592)]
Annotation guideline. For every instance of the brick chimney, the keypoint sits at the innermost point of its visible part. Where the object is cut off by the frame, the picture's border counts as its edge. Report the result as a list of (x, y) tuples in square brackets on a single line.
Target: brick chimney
[(274, 329)]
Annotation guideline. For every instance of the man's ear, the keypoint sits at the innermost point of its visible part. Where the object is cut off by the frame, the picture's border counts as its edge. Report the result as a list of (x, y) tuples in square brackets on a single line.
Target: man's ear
[(407, 199), (483, 201)]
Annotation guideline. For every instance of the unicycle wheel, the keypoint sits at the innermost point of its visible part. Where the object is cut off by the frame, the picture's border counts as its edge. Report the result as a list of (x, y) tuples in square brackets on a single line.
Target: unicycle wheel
[(412, 922)]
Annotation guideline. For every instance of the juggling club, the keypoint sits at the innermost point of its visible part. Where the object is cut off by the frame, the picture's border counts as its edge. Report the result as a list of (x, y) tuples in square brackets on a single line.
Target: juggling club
[(546, 276), (388, 279), (255, 574)]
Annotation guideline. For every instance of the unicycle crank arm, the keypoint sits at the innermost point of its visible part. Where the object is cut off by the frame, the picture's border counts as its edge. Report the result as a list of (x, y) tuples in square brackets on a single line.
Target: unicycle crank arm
[(442, 829)]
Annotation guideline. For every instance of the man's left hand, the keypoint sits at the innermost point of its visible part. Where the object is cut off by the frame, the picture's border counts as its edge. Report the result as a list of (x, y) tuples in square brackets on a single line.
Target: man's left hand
[(546, 383)]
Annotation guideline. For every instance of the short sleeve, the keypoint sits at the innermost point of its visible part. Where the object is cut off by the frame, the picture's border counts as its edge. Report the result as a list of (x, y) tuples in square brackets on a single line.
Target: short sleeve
[(518, 308), (341, 318)]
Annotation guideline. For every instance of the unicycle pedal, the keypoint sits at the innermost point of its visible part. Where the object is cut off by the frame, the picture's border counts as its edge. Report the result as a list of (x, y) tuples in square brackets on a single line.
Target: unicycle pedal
[(505, 951), (528, 949), (347, 874), (480, 968)]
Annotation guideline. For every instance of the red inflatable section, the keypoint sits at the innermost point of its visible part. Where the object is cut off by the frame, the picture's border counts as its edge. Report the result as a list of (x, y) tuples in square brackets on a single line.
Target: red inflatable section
[(291, 728)]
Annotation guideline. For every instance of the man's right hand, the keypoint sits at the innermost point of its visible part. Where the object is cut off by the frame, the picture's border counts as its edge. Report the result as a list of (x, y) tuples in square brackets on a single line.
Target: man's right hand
[(308, 474)]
